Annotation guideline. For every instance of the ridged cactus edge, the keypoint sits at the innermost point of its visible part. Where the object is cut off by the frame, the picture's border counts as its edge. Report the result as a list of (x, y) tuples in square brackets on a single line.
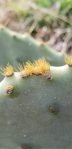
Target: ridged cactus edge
[(35, 95)]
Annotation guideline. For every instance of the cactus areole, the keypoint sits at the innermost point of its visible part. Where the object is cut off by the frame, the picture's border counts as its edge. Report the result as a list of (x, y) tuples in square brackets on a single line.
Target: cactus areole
[(35, 94)]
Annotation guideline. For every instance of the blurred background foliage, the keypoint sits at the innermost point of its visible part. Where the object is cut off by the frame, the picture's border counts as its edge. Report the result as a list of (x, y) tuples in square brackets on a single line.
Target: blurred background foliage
[(46, 20)]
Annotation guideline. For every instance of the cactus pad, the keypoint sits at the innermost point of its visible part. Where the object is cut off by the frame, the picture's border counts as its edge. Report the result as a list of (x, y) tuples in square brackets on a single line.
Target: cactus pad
[(35, 99)]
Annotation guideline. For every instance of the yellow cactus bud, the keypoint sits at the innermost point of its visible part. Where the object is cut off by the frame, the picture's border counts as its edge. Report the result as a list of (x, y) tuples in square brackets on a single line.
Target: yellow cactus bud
[(68, 60), (8, 71), (39, 67), (26, 70), (42, 67)]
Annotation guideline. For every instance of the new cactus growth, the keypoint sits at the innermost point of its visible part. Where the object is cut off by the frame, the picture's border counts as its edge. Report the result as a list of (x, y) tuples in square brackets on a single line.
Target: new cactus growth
[(8, 71), (35, 98), (68, 60)]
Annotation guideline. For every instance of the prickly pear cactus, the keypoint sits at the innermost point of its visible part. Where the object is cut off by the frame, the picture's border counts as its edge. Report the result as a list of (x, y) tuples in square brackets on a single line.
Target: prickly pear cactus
[(35, 94)]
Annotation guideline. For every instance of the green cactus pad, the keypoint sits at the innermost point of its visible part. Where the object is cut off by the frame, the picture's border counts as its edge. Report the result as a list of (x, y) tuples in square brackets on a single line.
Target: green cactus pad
[(38, 113), (16, 48)]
